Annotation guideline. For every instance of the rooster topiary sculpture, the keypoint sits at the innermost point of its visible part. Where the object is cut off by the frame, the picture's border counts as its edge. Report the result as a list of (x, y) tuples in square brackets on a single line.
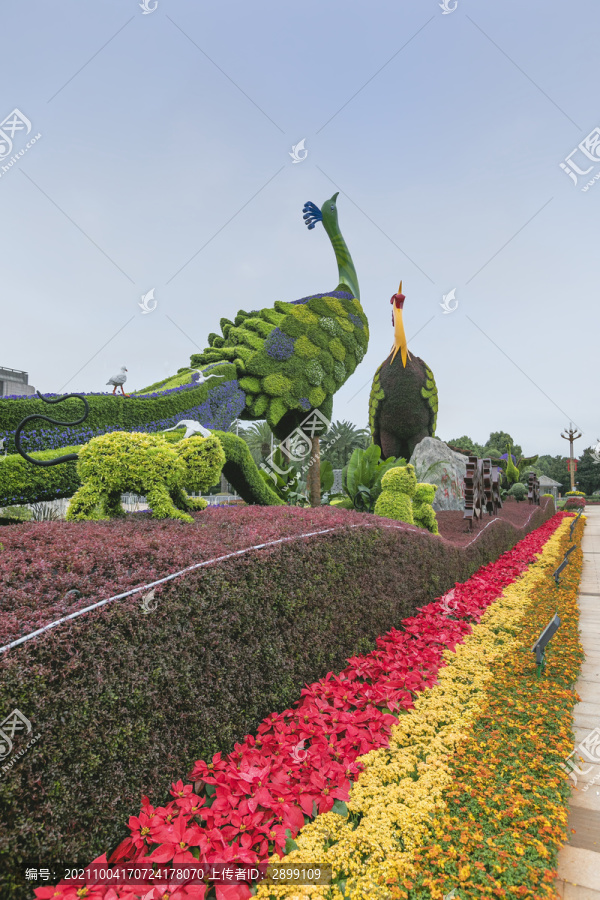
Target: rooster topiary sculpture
[(404, 402), (291, 358)]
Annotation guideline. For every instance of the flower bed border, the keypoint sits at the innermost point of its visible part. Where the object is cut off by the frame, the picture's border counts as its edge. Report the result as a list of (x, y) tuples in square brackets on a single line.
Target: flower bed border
[(452, 634)]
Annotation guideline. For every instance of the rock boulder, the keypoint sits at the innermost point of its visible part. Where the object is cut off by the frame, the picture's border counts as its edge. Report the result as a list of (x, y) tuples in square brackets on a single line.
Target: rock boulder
[(436, 463)]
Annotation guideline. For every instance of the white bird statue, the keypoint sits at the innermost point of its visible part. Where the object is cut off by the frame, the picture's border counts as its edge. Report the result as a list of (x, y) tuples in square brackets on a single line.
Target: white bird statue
[(191, 427), (201, 379), (119, 380)]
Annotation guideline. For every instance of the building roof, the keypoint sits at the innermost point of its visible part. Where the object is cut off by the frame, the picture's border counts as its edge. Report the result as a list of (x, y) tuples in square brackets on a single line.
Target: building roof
[(549, 482), (13, 374)]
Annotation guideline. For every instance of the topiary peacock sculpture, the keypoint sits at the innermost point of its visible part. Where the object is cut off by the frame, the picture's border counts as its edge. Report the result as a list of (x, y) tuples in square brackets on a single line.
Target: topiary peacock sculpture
[(513, 469), (291, 358), (280, 363), (404, 401)]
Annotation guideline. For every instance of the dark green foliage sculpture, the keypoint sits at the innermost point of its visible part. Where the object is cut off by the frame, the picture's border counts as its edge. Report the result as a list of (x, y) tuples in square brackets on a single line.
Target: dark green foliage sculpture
[(291, 358), (404, 402)]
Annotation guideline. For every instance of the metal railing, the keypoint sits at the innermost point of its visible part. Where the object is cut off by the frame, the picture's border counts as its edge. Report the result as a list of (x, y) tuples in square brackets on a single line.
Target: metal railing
[(3, 369), (136, 502)]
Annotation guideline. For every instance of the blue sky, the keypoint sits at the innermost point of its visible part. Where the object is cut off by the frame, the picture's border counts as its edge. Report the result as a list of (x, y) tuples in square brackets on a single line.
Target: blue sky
[(164, 164)]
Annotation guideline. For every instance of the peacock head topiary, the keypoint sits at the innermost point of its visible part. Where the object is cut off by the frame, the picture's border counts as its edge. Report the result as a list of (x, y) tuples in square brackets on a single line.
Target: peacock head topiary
[(327, 214)]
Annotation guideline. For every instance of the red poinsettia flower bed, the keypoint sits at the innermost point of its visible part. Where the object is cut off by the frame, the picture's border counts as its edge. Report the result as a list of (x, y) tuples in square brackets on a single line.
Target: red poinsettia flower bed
[(244, 806)]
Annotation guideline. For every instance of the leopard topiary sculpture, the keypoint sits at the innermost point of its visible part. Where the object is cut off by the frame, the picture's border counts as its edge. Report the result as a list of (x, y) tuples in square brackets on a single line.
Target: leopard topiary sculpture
[(112, 464)]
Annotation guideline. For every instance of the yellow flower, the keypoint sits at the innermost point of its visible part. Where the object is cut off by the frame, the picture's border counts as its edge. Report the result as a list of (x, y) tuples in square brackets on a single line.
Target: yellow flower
[(401, 789)]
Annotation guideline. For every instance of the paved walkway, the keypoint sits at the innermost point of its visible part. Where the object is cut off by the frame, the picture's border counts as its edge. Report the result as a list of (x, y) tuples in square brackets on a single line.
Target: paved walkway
[(579, 860)]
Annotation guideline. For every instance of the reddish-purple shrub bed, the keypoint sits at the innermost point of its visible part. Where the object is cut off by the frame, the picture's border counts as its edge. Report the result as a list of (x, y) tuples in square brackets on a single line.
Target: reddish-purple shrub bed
[(124, 702), (42, 562), (51, 569), (455, 528)]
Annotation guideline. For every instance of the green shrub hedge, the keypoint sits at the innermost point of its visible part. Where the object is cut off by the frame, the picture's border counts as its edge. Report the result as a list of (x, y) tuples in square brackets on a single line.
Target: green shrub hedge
[(21, 482), (126, 702), (107, 410), (518, 491)]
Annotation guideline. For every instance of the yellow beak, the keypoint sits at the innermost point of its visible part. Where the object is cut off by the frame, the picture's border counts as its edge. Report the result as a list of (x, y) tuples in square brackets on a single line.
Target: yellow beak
[(399, 335)]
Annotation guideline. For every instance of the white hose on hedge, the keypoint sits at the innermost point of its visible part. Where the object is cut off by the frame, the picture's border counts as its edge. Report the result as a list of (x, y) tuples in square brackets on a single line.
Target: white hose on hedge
[(217, 559), (207, 562)]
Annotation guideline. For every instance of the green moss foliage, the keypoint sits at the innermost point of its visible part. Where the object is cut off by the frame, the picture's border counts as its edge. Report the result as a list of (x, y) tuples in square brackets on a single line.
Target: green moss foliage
[(376, 395), (242, 473), (276, 385), (405, 500), (314, 372), (21, 482), (398, 488)]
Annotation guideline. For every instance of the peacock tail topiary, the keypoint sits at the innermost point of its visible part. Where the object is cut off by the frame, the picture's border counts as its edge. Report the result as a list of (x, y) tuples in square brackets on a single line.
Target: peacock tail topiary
[(294, 356)]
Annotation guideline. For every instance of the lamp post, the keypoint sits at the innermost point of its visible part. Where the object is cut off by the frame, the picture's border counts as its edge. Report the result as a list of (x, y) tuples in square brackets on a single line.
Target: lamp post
[(571, 435)]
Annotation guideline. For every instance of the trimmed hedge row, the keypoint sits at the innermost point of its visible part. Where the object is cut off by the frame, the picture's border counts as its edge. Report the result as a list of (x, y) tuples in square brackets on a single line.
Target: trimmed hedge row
[(125, 702), (21, 482), (117, 413)]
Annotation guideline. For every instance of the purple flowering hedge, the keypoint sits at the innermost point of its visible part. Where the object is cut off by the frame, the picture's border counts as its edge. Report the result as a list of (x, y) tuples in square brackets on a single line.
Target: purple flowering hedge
[(215, 405)]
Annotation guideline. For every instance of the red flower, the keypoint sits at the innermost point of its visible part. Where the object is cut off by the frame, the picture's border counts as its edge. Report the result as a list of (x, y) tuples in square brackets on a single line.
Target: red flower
[(176, 892), (305, 758), (177, 840)]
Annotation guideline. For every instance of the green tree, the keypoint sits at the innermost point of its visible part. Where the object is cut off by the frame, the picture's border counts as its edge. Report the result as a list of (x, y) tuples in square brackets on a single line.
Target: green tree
[(588, 472), (341, 440), (467, 445), (554, 467), (499, 440)]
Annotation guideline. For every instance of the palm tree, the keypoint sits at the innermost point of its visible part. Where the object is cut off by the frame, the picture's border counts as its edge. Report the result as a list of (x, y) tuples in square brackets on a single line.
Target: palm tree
[(341, 439), (259, 438)]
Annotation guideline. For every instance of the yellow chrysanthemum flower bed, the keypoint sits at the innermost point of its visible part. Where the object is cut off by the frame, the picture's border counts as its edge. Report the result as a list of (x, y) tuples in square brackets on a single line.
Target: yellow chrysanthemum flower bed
[(399, 804)]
